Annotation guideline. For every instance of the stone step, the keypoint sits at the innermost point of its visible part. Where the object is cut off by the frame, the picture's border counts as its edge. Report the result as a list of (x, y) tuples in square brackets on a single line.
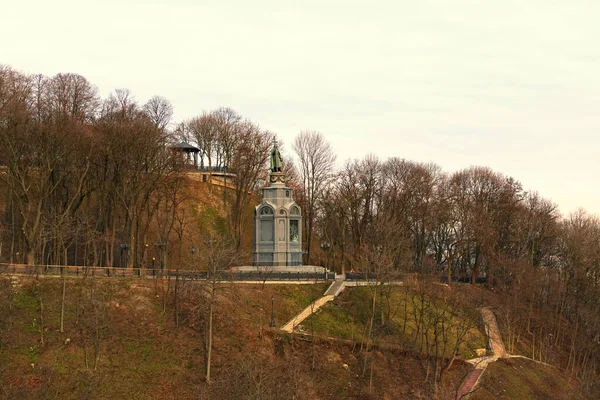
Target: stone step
[(469, 383), (311, 309), (335, 288)]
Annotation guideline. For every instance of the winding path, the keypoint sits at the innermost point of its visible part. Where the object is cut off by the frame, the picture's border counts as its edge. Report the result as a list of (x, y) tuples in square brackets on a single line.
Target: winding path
[(481, 363)]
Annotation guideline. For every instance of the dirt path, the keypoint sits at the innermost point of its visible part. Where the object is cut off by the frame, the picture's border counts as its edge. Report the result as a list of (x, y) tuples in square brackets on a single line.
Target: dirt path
[(481, 363), (494, 333)]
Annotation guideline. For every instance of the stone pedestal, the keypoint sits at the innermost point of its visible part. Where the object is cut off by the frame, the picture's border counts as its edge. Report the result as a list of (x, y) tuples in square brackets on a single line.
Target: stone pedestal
[(277, 222)]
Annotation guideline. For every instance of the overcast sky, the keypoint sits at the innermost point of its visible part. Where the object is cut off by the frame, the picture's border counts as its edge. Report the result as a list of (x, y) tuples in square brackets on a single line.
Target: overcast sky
[(513, 85)]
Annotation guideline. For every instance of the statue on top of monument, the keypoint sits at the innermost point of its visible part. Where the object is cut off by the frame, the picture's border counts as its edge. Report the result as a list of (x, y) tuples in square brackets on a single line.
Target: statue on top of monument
[(276, 160)]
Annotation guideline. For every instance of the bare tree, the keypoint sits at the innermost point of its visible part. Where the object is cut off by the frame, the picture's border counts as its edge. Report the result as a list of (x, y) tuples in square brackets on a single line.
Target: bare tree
[(219, 255), (160, 111), (316, 163), (71, 95), (130, 168), (248, 159), (45, 149), (482, 200), (358, 186), (92, 317), (203, 130)]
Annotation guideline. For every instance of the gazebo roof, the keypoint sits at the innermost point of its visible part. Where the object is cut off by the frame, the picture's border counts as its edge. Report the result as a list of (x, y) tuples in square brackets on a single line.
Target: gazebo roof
[(185, 147)]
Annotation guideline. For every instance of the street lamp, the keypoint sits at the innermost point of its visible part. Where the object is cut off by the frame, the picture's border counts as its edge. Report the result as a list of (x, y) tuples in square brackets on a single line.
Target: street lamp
[(193, 251), (325, 247), (124, 247), (145, 257), (211, 268), (272, 324), (161, 245), (102, 262)]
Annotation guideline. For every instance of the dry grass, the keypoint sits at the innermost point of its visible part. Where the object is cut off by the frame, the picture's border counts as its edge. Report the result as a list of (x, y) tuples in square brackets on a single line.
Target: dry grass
[(143, 355)]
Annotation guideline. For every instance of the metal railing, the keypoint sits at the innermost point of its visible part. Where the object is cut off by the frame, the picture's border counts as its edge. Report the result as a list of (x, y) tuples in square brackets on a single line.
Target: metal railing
[(281, 276), (224, 275), (270, 263), (360, 276), (223, 170), (76, 270)]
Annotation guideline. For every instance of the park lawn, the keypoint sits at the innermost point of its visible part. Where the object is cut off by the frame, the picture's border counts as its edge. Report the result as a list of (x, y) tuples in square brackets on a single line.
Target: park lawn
[(347, 317)]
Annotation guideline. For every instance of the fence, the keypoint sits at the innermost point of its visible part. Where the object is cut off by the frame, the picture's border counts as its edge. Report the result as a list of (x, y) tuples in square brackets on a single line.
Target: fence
[(281, 276), (360, 276), (75, 270), (60, 270)]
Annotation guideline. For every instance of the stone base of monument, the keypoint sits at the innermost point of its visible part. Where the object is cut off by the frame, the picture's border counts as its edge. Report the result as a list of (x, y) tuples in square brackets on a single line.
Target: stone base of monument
[(307, 269)]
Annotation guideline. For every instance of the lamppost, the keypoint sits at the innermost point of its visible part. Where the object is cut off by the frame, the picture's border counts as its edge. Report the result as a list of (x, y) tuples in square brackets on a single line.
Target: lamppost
[(124, 247), (325, 247), (145, 257), (193, 251), (102, 261), (272, 324), (211, 268), (161, 245)]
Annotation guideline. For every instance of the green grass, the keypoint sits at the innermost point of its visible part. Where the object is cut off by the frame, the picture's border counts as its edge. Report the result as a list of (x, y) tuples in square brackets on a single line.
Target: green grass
[(143, 356), (209, 218), (26, 301), (348, 316), (291, 299), (139, 350), (130, 356), (523, 379), (335, 321)]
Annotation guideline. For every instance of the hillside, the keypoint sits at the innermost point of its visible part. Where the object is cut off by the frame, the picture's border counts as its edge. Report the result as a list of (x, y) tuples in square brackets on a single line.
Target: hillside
[(519, 378), (130, 325), (207, 204), (91, 181)]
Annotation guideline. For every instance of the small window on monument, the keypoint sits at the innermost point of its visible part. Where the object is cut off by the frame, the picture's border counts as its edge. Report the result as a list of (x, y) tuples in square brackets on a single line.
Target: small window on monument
[(266, 211), (287, 193), (294, 232)]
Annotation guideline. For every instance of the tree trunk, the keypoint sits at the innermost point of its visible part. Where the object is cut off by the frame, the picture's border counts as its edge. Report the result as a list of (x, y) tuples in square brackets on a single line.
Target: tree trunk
[(209, 336), (176, 300), (41, 316), (370, 330), (62, 303)]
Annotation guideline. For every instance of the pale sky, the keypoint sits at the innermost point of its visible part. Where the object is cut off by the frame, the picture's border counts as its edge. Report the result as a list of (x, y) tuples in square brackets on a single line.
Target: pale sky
[(513, 85)]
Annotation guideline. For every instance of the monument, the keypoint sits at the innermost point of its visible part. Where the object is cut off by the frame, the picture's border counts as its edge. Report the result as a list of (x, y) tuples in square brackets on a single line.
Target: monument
[(277, 221)]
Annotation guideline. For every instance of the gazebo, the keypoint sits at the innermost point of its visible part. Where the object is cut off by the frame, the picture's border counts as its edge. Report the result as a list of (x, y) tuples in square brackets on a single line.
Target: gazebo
[(188, 149)]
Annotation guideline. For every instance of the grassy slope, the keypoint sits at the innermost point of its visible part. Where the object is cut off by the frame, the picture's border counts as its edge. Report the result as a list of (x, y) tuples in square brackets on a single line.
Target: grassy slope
[(349, 314), (518, 378), (143, 355)]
